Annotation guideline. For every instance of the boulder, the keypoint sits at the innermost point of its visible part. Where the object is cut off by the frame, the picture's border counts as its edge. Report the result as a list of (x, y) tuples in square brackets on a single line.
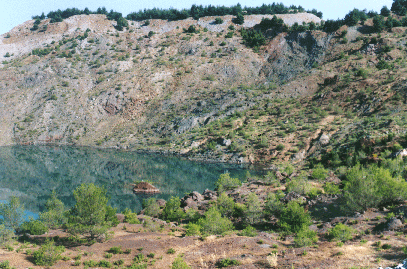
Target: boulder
[(394, 224), (324, 139), (210, 195), (293, 196)]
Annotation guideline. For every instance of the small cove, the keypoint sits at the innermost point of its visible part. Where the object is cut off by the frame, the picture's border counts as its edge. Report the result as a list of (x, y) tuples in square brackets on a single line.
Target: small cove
[(32, 172)]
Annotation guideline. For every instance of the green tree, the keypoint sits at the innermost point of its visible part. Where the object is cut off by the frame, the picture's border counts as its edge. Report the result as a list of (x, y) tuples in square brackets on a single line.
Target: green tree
[(218, 20), (253, 212), (48, 254), (378, 23), (172, 210), (54, 217), (12, 213), (225, 182), (214, 223), (294, 218), (385, 11), (239, 19), (226, 205), (151, 207), (372, 187), (6, 235), (88, 215)]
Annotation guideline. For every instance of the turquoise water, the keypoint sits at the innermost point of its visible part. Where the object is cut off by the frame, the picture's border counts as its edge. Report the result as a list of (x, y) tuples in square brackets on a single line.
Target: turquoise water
[(32, 172)]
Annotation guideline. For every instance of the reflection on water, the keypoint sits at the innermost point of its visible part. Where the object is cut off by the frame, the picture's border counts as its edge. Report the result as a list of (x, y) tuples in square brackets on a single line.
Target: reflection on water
[(32, 172)]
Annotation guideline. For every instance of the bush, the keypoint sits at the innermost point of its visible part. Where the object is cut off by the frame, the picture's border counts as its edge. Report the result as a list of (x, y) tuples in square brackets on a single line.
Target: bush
[(179, 263), (331, 188), (214, 223), (280, 147), (227, 262), (116, 250), (6, 265), (293, 218), (239, 19), (172, 210), (249, 231), (253, 212), (151, 208), (319, 172), (48, 254), (226, 205), (130, 217), (88, 216), (12, 213), (170, 251), (305, 237), (54, 217), (192, 229), (252, 38), (225, 182), (6, 235), (34, 227), (218, 20), (372, 187), (105, 264), (340, 232)]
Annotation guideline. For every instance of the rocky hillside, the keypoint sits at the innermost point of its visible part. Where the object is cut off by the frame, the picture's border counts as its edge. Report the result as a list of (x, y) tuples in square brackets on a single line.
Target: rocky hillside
[(200, 91)]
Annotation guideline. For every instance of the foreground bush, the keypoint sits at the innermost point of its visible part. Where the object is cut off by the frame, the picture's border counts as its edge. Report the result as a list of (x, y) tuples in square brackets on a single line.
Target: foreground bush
[(372, 187), (48, 254), (293, 218), (305, 237), (179, 263), (214, 223), (225, 182), (88, 216), (54, 217), (34, 227), (130, 217), (172, 210), (6, 235), (340, 232)]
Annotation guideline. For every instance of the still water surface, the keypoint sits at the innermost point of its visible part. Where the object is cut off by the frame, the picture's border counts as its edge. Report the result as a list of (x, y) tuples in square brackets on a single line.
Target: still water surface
[(32, 172)]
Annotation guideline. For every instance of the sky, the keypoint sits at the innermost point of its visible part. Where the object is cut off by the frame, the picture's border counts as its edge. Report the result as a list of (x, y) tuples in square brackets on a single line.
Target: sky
[(15, 12)]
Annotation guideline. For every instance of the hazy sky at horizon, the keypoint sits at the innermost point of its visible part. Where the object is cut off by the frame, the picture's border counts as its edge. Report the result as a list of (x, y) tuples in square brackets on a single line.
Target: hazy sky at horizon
[(15, 12)]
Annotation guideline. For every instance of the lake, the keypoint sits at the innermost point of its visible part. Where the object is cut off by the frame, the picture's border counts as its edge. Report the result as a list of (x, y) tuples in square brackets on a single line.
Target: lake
[(32, 172)]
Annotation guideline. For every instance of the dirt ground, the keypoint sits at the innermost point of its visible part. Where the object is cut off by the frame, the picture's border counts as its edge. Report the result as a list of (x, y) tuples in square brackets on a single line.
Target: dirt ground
[(266, 250)]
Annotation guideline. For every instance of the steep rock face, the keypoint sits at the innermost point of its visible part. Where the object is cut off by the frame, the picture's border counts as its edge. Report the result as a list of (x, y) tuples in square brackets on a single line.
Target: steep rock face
[(292, 54), (134, 91)]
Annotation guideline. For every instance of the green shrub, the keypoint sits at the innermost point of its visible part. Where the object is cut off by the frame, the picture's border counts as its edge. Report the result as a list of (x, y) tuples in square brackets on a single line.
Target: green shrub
[(6, 235), (299, 185), (218, 20), (340, 232), (293, 218), (118, 262), (170, 251), (253, 211), (249, 231), (225, 182), (179, 263), (319, 172), (54, 217), (139, 258), (172, 210), (116, 250), (91, 263), (151, 208), (214, 223), (88, 216), (331, 188), (305, 237), (34, 227), (225, 204), (6, 265), (130, 217), (280, 147), (12, 213), (227, 262), (372, 187), (192, 229), (48, 254), (105, 264)]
